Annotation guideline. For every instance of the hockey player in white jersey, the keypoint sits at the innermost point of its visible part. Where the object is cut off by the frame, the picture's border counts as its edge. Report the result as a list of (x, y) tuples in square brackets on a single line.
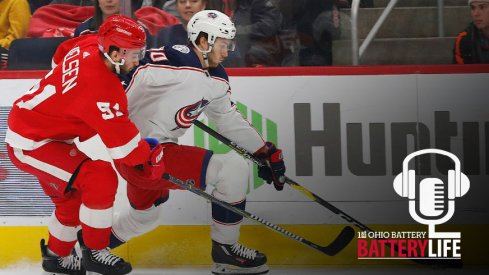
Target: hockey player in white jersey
[(165, 95)]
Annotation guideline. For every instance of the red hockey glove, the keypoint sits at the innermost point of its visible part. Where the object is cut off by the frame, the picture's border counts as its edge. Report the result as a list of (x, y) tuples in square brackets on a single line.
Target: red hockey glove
[(275, 169), (154, 168), (148, 175)]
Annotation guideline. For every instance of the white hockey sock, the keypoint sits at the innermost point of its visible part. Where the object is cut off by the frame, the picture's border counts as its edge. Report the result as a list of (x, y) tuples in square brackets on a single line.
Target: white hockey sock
[(132, 223)]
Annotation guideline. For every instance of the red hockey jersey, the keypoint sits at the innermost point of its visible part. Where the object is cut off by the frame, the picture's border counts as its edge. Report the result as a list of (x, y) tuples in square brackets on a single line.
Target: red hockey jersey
[(85, 40), (79, 98)]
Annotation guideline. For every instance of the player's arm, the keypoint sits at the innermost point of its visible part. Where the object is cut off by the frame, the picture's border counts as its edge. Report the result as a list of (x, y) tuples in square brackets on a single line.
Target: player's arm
[(231, 124), (128, 150), (107, 114)]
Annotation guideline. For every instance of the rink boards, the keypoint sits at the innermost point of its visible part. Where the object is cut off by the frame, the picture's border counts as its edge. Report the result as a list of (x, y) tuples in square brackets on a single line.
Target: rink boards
[(344, 132)]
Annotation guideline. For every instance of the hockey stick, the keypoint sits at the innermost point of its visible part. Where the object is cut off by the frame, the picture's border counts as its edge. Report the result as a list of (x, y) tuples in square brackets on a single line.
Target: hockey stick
[(316, 198), (292, 183), (332, 249)]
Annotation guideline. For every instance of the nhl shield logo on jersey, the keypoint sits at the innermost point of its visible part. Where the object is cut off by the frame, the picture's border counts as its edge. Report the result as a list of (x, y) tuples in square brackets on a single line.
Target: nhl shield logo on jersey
[(187, 114), (181, 48)]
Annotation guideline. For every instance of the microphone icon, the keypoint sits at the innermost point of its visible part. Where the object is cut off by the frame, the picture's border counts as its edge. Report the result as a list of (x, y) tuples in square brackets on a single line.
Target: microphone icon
[(434, 202)]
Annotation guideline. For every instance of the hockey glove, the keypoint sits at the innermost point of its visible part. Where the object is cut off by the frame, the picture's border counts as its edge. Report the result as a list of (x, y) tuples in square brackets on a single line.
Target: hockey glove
[(154, 168), (275, 169), (147, 175)]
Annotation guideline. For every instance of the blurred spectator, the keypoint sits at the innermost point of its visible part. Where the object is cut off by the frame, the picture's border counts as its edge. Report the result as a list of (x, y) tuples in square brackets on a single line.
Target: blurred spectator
[(3, 58), (169, 6), (151, 18), (308, 31), (73, 2), (258, 23), (177, 34), (103, 9), (15, 16), (472, 45), (154, 19)]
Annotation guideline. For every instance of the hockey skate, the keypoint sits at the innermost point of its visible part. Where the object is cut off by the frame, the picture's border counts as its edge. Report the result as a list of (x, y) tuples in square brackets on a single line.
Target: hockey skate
[(237, 259), (102, 262), (55, 265)]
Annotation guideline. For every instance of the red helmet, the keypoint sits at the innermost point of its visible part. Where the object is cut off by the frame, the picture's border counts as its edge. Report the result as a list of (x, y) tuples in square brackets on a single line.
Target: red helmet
[(122, 32)]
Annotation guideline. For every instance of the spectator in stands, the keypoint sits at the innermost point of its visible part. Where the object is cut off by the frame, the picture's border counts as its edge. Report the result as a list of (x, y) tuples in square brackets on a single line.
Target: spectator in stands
[(169, 6), (177, 34), (308, 31), (257, 24), (73, 2), (472, 45), (103, 9), (15, 16), (151, 18)]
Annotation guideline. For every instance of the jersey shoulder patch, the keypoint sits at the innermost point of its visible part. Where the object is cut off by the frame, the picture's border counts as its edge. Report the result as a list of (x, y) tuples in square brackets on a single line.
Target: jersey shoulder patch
[(181, 48), (182, 56)]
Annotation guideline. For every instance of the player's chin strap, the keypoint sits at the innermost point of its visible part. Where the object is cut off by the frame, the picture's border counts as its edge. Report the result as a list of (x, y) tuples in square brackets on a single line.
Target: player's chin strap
[(204, 53), (117, 64), (206, 60)]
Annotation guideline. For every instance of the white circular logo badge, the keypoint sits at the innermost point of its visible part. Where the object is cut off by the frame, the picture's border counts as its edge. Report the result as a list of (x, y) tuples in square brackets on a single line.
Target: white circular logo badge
[(181, 48)]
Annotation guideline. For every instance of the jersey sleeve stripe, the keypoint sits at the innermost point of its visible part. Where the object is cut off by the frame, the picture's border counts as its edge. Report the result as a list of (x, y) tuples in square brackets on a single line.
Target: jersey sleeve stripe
[(124, 150)]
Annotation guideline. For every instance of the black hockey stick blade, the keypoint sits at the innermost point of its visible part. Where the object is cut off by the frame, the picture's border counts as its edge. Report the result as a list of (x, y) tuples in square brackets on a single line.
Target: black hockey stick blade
[(344, 238)]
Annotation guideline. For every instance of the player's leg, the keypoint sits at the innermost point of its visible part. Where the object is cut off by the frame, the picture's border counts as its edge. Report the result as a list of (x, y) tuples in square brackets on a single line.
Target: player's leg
[(140, 218), (54, 164), (83, 192), (228, 175), (97, 182), (59, 256), (146, 198)]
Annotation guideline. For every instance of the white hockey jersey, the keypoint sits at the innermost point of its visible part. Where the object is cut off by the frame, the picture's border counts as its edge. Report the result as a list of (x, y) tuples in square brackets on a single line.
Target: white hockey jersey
[(170, 89)]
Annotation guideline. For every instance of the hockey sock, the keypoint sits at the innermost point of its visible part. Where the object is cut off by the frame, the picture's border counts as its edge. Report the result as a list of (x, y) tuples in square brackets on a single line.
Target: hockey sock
[(114, 241)]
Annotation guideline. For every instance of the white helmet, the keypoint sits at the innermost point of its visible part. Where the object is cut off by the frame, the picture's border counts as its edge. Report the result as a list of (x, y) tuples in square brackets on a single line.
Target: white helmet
[(214, 23)]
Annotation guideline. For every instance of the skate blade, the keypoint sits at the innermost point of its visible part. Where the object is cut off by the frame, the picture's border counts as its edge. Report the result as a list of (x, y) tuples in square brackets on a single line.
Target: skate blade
[(93, 273), (221, 269)]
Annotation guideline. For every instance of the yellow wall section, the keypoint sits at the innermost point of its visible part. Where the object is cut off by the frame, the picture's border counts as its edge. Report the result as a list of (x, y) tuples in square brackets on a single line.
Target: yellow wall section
[(190, 245)]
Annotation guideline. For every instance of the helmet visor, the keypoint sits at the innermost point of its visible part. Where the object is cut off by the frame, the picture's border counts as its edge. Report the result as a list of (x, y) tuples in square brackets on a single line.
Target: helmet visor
[(222, 44), (131, 55)]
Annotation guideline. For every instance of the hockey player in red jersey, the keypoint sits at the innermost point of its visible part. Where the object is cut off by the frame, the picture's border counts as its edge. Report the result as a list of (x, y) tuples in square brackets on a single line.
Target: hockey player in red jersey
[(80, 98), (165, 95)]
